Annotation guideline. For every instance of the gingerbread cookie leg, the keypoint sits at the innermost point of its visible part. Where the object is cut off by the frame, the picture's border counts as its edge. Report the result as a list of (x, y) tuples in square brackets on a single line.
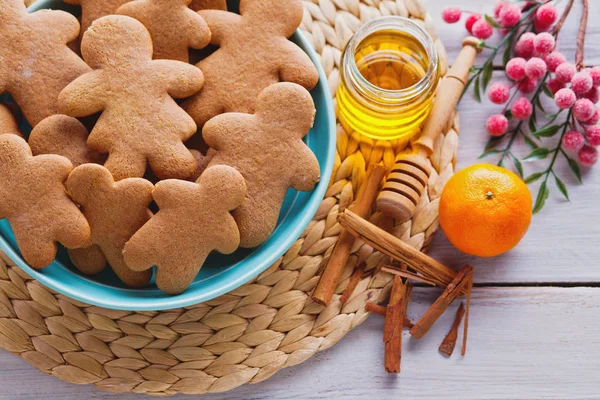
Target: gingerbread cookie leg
[(8, 122), (88, 260)]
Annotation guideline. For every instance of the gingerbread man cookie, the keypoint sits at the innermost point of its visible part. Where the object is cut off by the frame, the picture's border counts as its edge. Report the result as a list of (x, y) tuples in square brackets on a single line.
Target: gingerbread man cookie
[(34, 200), (174, 27), (253, 53), (194, 219), (36, 62), (198, 5), (140, 121), (267, 148), (92, 10), (115, 211), (65, 136), (8, 122), (89, 260)]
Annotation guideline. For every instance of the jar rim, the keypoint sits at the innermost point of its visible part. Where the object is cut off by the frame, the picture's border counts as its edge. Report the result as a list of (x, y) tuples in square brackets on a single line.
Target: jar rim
[(399, 24)]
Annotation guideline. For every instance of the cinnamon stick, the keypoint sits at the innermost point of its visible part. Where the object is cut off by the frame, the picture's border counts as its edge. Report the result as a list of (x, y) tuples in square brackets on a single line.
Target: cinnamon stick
[(354, 280), (466, 324), (452, 291), (405, 274), (395, 248), (449, 342), (392, 333), (333, 271), (380, 310)]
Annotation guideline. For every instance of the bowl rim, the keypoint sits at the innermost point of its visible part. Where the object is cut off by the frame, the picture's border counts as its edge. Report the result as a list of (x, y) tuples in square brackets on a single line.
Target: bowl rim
[(279, 248)]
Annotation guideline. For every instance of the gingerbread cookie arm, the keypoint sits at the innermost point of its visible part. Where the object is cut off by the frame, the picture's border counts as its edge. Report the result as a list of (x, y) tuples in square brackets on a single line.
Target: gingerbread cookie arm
[(183, 80), (199, 34), (297, 67), (84, 96), (222, 24), (64, 25), (306, 170)]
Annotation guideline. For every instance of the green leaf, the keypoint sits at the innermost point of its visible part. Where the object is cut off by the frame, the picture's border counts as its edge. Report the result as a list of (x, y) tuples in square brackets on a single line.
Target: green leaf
[(490, 152), (538, 103), (542, 196), (492, 142), (561, 187), (548, 131), (486, 75), (575, 168), (533, 177), (518, 165), (552, 116), (532, 123), (492, 21), (547, 91), (476, 90), (538, 154), (532, 145), (508, 114), (507, 50)]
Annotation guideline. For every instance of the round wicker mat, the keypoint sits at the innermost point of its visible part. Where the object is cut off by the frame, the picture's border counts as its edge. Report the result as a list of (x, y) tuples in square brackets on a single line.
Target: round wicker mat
[(247, 335)]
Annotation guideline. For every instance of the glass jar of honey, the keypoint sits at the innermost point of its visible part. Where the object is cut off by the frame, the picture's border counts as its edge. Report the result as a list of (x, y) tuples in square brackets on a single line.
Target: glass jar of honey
[(389, 74)]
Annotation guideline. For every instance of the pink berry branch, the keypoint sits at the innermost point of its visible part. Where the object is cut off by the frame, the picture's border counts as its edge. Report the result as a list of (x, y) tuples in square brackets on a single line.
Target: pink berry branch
[(535, 68)]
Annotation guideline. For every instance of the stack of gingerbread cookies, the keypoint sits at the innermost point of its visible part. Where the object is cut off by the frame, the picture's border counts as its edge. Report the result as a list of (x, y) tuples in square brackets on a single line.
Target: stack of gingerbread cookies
[(122, 174)]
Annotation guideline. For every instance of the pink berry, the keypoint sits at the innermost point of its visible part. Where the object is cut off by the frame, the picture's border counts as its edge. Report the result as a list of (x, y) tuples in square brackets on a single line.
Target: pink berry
[(544, 43), (545, 15), (587, 156), (470, 21), (555, 85), (528, 85), (554, 59), (539, 27), (583, 110), (565, 98), (499, 93), (565, 72), (573, 141), (595, 74), (535, 68), (525, 47), (451, 15), (594, 119), (593, 135), (593, 95), (510, 15), (498, 7), (482, 30), (522, 109), (582, 82), (497, 125), (515, 68)]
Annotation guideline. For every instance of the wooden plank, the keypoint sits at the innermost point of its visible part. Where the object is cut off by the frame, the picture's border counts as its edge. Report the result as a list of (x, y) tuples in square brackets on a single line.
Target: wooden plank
[(562, 243), (533, 343), (451, 33)]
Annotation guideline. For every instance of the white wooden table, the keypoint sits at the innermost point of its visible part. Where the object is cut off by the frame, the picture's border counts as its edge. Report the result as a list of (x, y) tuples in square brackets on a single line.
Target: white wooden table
[(535, 315)]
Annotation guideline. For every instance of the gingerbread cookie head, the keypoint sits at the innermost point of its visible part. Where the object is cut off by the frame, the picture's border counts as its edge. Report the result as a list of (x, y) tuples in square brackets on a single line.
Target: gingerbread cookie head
[(253, 53), (274, 17), (115, 211), (194, 219), (198, 5), (34, 200), (36, 61), (174, 27), (267, 148), (140, 123), (65, 136)]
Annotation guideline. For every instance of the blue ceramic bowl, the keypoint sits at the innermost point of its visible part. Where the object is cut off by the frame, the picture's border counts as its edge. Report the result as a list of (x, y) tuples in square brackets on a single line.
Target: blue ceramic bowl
[(220, 274)]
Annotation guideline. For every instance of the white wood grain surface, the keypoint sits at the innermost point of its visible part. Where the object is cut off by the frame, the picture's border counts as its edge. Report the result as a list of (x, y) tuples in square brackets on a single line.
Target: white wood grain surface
[(525, 342)]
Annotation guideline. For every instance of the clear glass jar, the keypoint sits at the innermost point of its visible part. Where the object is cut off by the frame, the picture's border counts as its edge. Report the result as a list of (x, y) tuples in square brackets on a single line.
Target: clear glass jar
[(389, 75)]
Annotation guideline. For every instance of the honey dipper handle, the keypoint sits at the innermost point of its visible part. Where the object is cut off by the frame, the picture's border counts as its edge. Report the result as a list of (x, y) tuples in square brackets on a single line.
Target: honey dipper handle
[(447, 96)]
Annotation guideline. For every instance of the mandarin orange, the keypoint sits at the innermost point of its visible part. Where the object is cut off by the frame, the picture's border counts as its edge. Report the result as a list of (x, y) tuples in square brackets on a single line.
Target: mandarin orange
[(485, 210)]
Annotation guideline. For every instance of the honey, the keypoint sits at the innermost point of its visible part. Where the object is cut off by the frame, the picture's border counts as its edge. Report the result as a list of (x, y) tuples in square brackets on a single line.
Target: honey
[(388, 78)]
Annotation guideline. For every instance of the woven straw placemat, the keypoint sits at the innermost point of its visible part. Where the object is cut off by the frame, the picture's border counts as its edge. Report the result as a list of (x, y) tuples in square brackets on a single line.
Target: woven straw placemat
[(247, 335)]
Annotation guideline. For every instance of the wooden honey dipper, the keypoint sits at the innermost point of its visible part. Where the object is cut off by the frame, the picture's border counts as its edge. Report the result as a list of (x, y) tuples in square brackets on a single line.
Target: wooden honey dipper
[(405, 184)]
